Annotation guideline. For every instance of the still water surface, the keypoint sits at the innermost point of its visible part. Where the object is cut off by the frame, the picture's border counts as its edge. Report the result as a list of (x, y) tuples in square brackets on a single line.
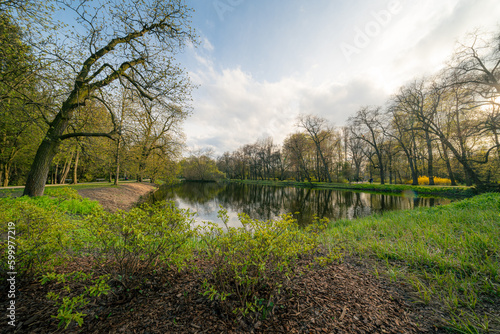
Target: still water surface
[(269, 202)]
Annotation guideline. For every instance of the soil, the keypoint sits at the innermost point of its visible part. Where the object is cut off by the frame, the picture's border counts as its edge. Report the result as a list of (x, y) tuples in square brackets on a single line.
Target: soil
[(338, 298), (123, 197)]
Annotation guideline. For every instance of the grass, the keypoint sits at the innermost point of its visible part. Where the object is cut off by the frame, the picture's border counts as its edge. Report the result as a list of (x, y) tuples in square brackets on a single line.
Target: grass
[(62, 199), (445, 191), (449, 254), (18, 191)]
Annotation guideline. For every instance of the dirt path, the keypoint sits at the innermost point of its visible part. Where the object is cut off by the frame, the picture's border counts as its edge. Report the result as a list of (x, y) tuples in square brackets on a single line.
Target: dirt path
[(122, 197)]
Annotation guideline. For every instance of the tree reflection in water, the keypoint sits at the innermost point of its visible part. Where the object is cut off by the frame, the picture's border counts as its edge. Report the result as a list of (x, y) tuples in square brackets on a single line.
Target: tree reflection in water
[(268, 202)]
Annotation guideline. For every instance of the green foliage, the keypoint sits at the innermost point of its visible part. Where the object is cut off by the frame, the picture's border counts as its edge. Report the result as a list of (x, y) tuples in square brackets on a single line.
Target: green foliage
[(40, 235), (451, 252), (138, 239), (62, 193), (83, 286), (253, 263), (201, 168), (44, 233), (62, 200)]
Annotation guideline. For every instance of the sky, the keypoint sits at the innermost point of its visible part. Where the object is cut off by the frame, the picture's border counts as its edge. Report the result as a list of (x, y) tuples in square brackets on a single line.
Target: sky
[(261, 63)]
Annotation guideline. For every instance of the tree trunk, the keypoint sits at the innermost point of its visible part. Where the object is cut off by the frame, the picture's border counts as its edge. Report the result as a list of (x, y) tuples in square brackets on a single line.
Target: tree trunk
[(75, 168), (37, 177), (430, 162), (413, 171), (468, 181), (56, 174), (325, 165), (448, 165), (6, 174), (390, 168), (469, 172), (381, 166), (35, 184), (117, 160), (66, 169)]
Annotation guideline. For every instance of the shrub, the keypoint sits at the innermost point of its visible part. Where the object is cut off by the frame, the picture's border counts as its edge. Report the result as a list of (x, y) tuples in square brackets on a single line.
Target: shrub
[(68, 200), (424, 180), (71, 300), (253, 263), (442, 181), (62, 193), (39, 237), (138, 239)]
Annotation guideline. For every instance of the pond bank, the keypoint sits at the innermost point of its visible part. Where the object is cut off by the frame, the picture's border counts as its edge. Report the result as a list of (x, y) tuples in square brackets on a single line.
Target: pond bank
[(442, 191)]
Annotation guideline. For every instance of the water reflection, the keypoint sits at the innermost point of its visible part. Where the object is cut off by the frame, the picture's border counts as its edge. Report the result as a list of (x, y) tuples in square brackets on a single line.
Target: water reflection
[(268, 202)]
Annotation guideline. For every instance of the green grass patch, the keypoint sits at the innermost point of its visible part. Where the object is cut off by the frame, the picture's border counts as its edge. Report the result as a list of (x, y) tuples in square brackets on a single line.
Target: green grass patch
[(18, 191), (449, 254), (61, 199)]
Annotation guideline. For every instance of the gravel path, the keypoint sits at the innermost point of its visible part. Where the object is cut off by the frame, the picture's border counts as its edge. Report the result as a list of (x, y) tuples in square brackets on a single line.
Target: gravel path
[(122, 197)]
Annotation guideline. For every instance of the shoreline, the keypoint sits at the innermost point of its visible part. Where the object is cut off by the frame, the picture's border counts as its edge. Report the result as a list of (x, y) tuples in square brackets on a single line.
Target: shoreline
[(395, 189)]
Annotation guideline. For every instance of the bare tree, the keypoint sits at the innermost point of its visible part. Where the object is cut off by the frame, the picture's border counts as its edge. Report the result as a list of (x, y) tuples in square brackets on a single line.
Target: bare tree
[(155, 129), (296, 147), (319, 131), (367, 125), (356, 149)]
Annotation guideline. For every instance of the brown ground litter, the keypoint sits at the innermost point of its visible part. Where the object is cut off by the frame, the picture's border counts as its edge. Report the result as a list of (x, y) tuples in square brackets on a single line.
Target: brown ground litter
[(122, 197)]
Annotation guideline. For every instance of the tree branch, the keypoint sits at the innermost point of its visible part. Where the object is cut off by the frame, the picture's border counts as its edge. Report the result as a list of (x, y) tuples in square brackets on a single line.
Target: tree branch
[(88, 134)]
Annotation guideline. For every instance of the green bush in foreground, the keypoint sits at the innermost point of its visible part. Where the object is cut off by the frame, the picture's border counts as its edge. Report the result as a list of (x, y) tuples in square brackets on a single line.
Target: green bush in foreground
[(253, 263), (41, 229), (61, 227), (137, 240), (70, 301), (39, 237)]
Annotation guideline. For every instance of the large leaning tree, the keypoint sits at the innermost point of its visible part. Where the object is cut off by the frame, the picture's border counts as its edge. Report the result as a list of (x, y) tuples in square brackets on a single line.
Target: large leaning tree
[(131, 43)]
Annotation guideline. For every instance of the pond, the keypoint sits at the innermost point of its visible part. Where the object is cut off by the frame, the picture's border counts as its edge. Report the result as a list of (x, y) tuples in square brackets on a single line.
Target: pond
[(265, 202)]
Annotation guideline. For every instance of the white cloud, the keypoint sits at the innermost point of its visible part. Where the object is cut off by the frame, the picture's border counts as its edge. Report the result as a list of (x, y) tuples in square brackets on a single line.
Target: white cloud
[(207, 45), (258, 74), (231, 108)]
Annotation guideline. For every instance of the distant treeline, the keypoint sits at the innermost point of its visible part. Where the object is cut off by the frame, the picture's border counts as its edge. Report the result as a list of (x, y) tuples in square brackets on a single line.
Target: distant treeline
[(442, 128)]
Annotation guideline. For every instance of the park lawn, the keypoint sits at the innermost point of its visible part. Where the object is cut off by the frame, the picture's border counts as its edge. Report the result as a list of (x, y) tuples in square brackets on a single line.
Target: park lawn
[(18, 190), (449, 255)]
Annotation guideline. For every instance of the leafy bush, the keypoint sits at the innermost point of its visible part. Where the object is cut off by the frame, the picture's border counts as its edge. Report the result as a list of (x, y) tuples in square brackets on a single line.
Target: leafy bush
[(62, 200), (39, 235), (424, 180), (71, 300), (68, 200), (138, 239), (253, 263), (62, 192)]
